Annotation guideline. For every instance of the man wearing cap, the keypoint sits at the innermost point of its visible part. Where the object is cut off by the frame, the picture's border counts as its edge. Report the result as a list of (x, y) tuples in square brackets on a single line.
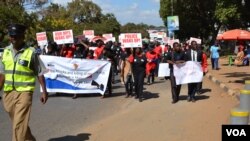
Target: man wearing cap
[(18, 68)]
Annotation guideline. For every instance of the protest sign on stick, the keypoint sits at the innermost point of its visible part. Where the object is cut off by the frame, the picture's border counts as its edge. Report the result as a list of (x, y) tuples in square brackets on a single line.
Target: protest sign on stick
[(130, 40), (63, 37)]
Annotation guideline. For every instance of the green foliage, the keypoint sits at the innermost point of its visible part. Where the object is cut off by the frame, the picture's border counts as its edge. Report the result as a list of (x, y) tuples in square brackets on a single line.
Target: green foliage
[(78, 15), (135, 28), (198, 17)]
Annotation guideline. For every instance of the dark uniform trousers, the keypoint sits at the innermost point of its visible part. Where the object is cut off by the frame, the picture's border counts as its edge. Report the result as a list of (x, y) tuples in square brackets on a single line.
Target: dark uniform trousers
[(192, 88), (175, 89), (138, 70), (18, 106), (129, 84), (138, 82)]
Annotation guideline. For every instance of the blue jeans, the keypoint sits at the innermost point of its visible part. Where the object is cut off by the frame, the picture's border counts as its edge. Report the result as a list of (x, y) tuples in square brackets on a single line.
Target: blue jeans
[(215, 63)]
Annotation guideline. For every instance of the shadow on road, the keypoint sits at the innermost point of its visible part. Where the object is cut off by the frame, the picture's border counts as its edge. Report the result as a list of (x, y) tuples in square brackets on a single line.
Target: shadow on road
[(197, 97), (205, 90), (242, 76), (79, 137), (148, 95)]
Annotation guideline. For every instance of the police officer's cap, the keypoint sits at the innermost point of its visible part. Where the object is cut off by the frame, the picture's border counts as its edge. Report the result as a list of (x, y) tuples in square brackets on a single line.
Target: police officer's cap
[(16, 29)]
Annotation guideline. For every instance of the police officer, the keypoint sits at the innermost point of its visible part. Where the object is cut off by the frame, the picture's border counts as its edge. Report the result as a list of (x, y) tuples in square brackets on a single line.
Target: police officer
[(1, 47), (175, 57), (138, 61), (18, 70)]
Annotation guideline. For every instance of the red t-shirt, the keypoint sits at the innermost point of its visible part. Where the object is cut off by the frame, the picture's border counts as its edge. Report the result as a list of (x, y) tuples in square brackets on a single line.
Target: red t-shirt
[(150, 65), (68, 52), (158, 50), (98, 51)]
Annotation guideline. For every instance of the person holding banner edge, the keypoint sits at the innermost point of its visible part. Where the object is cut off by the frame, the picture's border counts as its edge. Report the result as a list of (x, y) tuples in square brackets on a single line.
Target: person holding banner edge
[(193, 55), (107, 56), (176, 56), (19, 83)]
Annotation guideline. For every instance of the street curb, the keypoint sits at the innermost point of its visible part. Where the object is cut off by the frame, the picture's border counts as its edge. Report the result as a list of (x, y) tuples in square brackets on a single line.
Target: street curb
[(231, 92)]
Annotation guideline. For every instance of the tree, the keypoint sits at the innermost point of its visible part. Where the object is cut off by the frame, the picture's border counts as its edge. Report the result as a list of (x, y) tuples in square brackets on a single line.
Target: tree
[(82, 11), (135, 28), (108, 24), (199, 17), (13, 11)]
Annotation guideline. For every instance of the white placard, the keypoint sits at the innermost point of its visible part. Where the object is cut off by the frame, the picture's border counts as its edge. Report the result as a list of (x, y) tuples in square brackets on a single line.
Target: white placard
[(108, 37), (163, 70), (63, 37), (130, 40), (171, 42), (89, 34), (41, 38), (198, 41), (188, 72)]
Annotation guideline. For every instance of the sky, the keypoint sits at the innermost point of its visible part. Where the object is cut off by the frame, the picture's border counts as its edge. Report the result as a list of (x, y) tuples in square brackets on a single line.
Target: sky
[(135, 11)]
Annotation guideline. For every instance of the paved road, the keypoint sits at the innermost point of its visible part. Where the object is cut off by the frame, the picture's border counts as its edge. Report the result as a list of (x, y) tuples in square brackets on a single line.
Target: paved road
[(63, 116)]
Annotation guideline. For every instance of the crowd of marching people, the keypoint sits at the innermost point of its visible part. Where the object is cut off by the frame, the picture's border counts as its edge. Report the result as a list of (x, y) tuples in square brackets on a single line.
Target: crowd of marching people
[(135, 64)]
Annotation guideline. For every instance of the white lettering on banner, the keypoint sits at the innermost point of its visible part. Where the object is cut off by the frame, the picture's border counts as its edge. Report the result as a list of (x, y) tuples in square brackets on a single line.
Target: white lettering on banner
[(163, 70), (188, 72), (129, 40), (75, 75), (63, 37)]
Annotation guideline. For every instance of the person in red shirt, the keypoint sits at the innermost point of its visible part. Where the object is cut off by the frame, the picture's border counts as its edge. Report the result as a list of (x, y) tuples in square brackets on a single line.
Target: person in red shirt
[(99, 49), (158, 51), (151, 65), (67, 51), (204, 66)]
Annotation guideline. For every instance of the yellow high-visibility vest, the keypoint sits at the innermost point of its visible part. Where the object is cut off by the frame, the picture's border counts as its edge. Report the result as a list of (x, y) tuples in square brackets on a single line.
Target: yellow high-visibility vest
[(18, 75)]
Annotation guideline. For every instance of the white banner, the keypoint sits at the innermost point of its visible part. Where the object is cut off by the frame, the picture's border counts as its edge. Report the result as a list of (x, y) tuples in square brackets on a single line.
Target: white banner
[(163, 70), (69, 75), (63, 37), (129, 40), (41, 39), (189, 72)]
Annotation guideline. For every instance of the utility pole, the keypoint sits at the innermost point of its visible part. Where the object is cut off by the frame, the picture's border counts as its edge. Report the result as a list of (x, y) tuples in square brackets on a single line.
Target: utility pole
[(172, 13), (172, 7)]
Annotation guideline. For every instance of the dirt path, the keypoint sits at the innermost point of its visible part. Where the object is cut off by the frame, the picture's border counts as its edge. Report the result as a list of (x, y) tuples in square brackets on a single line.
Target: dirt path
[(159, 120)]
